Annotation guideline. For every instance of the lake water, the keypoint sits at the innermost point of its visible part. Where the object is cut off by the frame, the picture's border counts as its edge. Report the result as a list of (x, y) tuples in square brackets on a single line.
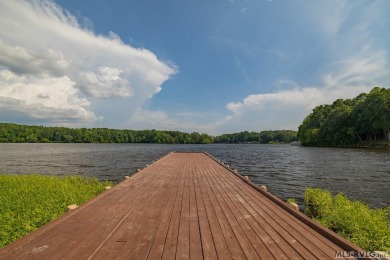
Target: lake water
[(286, 170)]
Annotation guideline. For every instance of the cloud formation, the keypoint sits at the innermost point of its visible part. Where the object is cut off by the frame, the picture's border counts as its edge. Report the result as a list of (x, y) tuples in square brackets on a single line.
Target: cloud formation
[(58, 71), (45, 98), (52, 68), (356, 64), (286, 108)]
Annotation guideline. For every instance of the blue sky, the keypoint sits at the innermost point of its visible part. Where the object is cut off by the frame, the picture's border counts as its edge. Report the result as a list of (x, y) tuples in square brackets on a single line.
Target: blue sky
[(216, 67)]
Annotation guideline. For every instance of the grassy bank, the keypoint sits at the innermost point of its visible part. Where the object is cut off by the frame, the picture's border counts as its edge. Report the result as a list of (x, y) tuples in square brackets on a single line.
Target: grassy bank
[(30, 201), (355, 221)]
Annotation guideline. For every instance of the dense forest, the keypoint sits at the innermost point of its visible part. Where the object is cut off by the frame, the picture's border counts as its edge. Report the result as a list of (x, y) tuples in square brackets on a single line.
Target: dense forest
[(364, 120), (264, 137), (15, 133)]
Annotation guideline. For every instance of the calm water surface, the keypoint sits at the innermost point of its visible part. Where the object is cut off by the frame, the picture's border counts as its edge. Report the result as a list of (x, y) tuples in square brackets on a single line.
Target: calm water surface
[(286, 170)]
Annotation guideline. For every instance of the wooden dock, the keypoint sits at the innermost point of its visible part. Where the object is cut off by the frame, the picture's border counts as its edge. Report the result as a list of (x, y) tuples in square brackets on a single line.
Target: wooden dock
[(184, 206)]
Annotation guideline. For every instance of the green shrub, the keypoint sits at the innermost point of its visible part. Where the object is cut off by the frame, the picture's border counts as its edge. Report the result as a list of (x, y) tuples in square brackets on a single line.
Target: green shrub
[(355, 221), (318, 204), (291, 200), (30, 201)]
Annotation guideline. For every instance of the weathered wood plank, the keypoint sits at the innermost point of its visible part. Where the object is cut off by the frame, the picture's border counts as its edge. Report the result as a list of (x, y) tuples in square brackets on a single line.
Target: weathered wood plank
[(157, 247), (243, 220), (287, 225), (232, 218), (221, 246), (208, 246), (183, 243), (227, 232), (170, 246), (195, 239)]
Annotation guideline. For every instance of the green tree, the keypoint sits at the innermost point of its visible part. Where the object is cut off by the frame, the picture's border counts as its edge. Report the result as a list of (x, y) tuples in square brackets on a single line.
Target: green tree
[(350, 121)]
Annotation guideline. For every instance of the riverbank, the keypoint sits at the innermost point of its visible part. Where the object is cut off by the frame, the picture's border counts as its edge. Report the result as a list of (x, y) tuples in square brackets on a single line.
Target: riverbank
[(368, 228), (380, 145), (373, 145), (30, 201)]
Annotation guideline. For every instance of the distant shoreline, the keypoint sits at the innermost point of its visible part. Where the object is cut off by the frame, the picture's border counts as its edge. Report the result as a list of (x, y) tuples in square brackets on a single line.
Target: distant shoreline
[(15, 133)]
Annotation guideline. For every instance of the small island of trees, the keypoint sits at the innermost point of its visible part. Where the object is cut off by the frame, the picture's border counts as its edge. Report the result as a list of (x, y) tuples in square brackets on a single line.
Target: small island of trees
[(361, 121)]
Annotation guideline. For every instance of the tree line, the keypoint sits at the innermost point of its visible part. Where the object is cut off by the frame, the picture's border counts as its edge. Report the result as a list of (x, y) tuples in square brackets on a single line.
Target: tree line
[(362, 120), (16, 133), (264, 137)]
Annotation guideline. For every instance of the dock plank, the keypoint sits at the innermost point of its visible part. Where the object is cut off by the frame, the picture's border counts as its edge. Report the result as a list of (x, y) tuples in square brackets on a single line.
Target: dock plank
[(227, 233), (233, 219), (195, 235), (208, 246), (290, 228), (171, 240), (242, 220), (184, 206)]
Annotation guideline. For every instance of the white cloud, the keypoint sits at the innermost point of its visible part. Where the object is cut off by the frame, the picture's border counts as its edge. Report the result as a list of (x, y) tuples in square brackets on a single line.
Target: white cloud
[(286, 108), (105, 83), (54, 69), (43, 97), (367, 67), (47, 51), (29, 61), (356, 62)]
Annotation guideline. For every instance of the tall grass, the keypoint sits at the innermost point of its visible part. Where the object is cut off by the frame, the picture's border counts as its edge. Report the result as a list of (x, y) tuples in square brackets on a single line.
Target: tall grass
[(353, 220), (30, 201)]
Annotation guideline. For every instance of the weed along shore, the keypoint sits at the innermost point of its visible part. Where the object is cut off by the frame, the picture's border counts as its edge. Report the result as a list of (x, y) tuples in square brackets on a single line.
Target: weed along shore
[(30, 201), (366, 227), (353, 220)]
